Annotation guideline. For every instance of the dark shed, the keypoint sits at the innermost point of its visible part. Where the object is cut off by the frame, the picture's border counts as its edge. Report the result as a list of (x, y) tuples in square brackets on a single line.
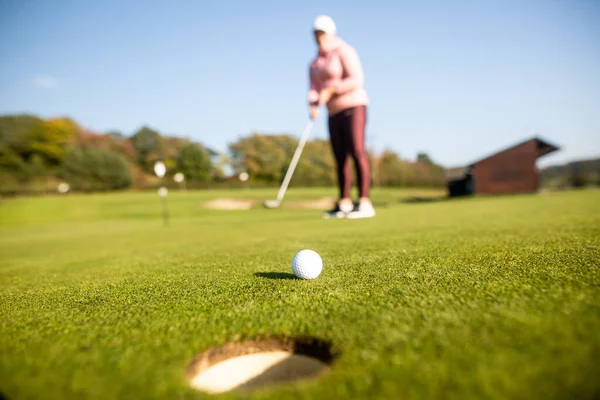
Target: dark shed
[(512, 170)]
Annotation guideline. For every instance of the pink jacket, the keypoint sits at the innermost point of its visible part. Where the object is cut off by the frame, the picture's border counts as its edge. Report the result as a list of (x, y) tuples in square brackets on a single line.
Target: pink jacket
[(339, 67)]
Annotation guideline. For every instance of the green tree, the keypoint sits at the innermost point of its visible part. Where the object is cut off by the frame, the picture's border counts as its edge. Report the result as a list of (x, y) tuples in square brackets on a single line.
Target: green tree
[(10, 160), (16, 133), (317, 166), (149, 148), (31, 147), (172, 147), (264, 157), (86, 139), (428, 172), (95, 169), (424, 158), (116, 134), (194, 162), (51, 139)]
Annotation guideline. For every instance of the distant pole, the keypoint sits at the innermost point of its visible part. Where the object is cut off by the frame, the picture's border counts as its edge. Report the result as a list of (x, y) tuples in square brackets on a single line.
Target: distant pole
[(162, 192), (160, 169), (243, 177)]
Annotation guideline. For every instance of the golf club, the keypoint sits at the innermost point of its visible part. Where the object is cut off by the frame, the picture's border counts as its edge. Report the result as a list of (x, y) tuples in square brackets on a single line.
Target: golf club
[(288, 176)]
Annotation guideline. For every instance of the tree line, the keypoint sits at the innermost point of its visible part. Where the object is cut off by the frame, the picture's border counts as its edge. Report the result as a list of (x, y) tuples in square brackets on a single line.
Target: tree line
[(37, 154), (574, 174)]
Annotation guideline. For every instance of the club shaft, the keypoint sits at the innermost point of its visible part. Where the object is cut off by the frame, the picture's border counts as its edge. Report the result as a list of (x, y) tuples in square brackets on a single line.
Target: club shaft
[(295, 158)]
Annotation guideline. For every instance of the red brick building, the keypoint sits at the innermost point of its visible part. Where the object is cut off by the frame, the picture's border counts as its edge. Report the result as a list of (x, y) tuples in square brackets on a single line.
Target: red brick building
[(512, 170)]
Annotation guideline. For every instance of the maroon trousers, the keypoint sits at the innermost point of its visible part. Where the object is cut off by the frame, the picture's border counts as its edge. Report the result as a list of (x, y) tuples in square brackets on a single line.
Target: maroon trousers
[(347, 136)]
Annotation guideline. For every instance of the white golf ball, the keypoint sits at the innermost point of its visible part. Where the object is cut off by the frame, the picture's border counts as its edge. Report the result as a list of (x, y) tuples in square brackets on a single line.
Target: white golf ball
[(307, 264)]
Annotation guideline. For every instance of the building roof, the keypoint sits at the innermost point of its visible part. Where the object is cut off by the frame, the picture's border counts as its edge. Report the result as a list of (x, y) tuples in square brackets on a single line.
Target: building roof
[(543, 148)]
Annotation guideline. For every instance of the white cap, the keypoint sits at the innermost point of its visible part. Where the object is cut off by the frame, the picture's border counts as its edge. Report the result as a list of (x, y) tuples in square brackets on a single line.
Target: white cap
[(324, 23)]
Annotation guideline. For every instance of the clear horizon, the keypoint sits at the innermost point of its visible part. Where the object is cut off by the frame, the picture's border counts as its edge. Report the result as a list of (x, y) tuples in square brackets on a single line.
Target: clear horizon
[(457, 82)]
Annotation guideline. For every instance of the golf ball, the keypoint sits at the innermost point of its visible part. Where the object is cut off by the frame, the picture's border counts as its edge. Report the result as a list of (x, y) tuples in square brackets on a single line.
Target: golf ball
[(307, 264)]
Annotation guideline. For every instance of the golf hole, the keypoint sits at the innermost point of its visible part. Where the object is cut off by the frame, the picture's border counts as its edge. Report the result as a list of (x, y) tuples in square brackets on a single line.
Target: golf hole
[(251, 365)]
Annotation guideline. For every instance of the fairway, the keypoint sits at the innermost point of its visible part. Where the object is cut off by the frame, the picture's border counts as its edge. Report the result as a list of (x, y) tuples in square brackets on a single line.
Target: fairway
[(490, 297)]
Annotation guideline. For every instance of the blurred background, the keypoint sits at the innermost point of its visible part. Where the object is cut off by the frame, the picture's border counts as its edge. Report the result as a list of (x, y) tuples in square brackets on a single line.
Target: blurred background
[(92, 94)]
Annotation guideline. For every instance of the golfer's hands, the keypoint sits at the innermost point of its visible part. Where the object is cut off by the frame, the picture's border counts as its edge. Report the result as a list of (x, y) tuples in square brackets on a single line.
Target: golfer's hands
[(326, 95), (314, 112)]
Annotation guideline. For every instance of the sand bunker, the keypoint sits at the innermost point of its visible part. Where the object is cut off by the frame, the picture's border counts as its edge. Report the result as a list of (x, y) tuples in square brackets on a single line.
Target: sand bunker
[(256, 364), (229, 204), (320, 204), (246, 204)]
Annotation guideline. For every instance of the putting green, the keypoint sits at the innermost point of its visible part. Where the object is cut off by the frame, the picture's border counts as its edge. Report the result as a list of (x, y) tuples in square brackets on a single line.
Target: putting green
[(492, 297)]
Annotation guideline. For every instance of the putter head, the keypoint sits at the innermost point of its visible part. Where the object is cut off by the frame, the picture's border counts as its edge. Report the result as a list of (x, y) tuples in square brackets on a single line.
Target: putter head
[(272, 203)]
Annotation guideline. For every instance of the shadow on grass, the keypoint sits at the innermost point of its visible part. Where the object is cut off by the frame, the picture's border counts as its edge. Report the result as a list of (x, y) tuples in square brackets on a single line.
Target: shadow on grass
[(420, 200), (381, 204), (275, 275)]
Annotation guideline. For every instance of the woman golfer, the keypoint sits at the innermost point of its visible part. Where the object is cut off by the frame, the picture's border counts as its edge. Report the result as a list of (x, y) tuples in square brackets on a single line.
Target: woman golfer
[(336, 80)]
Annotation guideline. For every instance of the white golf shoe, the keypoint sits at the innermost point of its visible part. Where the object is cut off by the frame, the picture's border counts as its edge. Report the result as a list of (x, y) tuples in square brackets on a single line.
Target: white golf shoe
[(362, 209), (339, 211)]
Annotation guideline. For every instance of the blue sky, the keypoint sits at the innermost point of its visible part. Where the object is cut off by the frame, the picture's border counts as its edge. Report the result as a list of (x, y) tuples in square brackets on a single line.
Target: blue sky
[(457, 80)]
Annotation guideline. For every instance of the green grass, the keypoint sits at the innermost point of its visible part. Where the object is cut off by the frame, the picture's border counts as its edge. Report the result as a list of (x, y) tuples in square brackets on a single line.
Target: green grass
[(494, 298)]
